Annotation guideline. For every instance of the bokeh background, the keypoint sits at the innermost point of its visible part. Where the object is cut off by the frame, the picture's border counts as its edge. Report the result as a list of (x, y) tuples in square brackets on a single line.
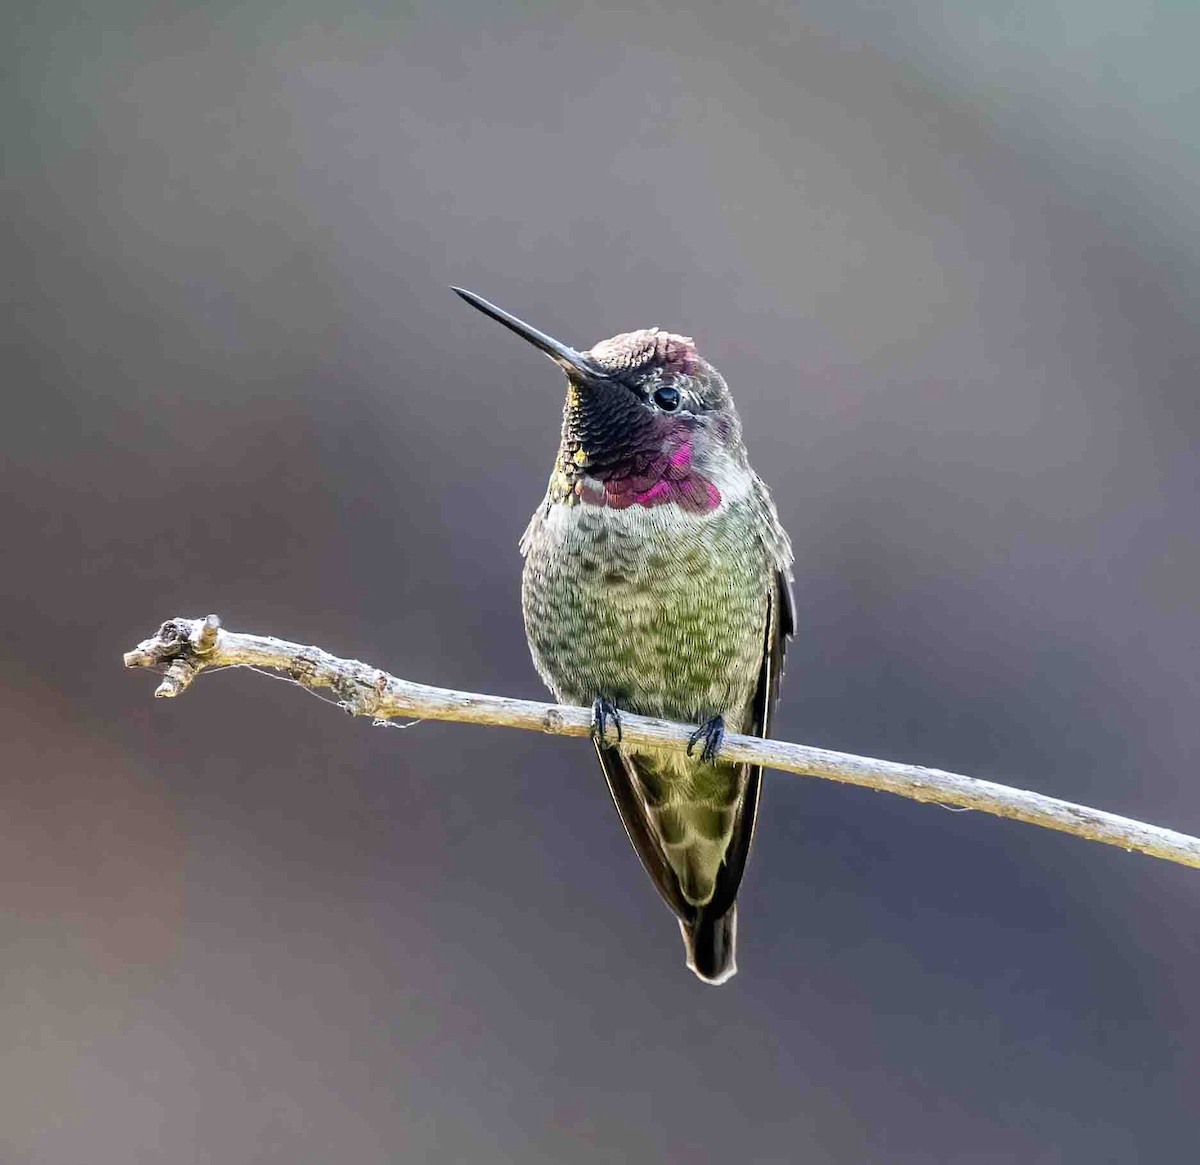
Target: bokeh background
[(948, 258)]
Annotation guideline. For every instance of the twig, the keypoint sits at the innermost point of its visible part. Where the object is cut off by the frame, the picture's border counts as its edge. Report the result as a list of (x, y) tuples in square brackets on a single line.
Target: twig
[(185, 647)]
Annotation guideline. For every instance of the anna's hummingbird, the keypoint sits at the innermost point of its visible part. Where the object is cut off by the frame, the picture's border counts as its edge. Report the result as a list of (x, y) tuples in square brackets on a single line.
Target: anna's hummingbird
[(657, 582)]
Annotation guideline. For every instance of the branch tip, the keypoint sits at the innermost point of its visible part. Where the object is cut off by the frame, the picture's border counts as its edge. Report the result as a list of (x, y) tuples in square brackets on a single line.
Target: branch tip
[(179, 675)]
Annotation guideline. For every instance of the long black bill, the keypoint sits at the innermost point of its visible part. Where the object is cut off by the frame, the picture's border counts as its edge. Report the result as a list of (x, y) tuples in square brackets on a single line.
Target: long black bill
[(565, 357)]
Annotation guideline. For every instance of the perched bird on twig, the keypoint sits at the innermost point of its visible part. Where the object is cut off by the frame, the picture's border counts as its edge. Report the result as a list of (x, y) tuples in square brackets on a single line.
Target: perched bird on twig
[(657, 581)]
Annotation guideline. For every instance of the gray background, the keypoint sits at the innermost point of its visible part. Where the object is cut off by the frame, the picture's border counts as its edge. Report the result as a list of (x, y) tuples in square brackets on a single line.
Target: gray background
[(948, 258)]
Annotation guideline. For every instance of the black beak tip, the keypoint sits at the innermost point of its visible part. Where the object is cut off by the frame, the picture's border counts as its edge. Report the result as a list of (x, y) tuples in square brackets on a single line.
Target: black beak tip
[(470, 296), (488, 309)]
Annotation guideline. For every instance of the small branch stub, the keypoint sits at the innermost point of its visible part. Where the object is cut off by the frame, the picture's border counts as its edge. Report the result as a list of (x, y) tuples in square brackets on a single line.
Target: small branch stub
[(185, 647), (206, 634)]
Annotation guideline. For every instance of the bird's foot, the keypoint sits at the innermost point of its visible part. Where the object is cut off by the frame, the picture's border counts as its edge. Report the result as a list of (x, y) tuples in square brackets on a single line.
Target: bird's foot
[(713, 735), (602, 712)]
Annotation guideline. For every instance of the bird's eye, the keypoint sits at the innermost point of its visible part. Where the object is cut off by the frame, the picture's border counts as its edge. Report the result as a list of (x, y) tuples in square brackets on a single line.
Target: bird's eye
[(667, 399)]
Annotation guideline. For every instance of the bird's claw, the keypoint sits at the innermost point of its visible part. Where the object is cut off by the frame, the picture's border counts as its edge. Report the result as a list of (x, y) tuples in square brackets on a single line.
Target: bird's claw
[(713, 734), (602, 712)]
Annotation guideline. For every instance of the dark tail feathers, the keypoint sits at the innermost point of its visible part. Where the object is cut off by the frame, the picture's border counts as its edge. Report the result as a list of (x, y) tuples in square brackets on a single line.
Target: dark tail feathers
[(711, 946)]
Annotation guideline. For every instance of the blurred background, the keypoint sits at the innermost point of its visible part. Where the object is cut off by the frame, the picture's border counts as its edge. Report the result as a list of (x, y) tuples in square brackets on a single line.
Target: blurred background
[(946, 255)]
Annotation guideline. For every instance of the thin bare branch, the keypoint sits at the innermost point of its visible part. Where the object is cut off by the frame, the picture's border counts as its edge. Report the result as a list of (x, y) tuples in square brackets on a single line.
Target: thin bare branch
[(185, 647)]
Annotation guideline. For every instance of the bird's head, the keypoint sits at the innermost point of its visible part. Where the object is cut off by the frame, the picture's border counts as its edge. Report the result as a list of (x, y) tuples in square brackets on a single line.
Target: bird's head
[(647, 420)]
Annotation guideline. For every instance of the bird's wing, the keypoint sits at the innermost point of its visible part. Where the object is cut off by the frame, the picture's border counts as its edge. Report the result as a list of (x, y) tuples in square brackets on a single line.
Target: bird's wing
[(620, 770), (781, 625)]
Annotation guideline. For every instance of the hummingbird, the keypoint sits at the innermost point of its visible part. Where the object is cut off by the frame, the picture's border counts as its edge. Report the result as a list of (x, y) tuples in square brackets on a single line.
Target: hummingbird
[(657, 581)]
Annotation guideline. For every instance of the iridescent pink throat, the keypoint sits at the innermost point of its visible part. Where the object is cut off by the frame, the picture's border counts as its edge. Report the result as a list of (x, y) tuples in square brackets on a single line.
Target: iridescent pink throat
[(663, 479)]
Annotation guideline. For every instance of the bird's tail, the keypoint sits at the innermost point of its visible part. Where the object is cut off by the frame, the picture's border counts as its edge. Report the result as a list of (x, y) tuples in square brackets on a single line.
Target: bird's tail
[(711, 945)]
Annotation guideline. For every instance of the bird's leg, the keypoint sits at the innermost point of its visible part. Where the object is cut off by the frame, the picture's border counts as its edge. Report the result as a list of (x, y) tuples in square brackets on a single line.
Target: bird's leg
[(712, 732), (602, 712)]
